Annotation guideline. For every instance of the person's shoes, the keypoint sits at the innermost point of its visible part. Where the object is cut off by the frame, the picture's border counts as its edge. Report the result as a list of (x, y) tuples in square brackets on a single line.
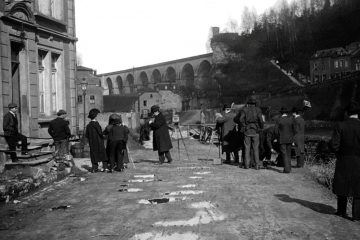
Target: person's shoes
[(24, 153), (285, 171), (257, 167), (341, 214), (227, 162), (169, 161)]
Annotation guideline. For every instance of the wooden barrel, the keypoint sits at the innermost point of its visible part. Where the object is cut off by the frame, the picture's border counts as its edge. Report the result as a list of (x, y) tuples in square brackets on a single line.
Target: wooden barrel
[(77, 150), (86, 151)]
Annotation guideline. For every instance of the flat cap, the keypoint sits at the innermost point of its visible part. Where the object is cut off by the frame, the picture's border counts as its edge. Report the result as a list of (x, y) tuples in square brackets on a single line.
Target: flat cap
[(12, 105)]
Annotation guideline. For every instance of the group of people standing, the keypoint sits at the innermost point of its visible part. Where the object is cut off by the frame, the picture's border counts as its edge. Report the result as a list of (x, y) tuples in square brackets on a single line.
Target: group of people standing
[(244, 131), (114, 155)]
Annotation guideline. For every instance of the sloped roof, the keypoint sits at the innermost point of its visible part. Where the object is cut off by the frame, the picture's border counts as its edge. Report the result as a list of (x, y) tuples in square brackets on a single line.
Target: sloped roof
[(331, 52), (119, 103), (82, 68)]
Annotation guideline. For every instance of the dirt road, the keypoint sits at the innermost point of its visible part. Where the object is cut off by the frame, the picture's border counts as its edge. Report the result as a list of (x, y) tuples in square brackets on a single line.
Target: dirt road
[(195, 200)]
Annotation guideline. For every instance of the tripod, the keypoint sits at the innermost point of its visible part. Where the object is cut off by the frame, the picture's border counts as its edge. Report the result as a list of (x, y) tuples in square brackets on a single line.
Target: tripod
[(182, 139)]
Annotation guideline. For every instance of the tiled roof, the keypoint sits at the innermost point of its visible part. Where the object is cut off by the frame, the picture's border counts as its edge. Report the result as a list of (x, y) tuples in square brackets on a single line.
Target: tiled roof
[(332, 52)]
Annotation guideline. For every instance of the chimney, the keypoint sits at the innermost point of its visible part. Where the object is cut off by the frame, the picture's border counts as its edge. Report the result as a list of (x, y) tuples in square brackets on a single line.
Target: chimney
[(215, 30)]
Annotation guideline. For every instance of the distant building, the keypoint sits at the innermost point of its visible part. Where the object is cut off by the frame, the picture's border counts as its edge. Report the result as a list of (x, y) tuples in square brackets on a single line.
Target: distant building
[(94, 92), (37, 67), (334, 62), (147, 98)]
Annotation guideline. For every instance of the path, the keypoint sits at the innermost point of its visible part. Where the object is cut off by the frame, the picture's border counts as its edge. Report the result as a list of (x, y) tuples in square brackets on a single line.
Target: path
[(205, 201), (294, 80)]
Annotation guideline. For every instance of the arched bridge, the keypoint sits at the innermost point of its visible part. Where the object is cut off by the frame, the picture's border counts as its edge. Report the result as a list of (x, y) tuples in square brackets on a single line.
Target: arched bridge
[(190, 72)]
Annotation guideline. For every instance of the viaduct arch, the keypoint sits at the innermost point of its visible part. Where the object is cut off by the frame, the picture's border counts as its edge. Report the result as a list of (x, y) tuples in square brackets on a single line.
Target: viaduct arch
[(192, 72)]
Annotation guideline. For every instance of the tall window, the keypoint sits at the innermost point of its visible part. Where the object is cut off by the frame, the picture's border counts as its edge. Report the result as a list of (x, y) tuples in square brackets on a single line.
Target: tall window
[(54, 58), (52, 8), (92, 99), (336, 64), (41, 71), (357, 66), (50, 76)]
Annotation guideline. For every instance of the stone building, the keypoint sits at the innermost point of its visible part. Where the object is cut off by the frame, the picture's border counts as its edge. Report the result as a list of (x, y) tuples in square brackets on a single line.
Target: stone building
[(334, 62), (94, 93), (37, 67)]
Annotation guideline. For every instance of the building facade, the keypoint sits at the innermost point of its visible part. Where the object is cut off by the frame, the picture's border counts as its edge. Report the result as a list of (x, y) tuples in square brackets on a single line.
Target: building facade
[(38, 56), (334, 62), (93, 97)]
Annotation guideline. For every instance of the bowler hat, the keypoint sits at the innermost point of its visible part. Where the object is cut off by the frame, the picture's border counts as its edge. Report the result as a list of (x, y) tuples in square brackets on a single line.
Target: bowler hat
[(61, 112), (225, 107), (12, 105), (283, 110), (155, 108), (353, 108), (93, 113), (116, 119), (252, 100), (295, 110)]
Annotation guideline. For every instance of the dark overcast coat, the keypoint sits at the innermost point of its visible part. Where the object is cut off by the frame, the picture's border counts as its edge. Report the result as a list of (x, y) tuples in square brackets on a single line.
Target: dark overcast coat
[(95, 137), (161, 136), (346, 144)]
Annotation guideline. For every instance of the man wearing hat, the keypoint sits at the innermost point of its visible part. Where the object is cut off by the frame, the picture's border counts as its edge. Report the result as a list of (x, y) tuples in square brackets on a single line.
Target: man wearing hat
[(284, 128), (251, 122), (161, 137), (299, 139), (11, 132), (230, 134), (60, 132), (345, 142)]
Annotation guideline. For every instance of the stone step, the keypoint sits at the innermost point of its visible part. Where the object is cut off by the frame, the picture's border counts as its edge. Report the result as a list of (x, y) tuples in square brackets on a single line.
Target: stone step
[(32, 162)]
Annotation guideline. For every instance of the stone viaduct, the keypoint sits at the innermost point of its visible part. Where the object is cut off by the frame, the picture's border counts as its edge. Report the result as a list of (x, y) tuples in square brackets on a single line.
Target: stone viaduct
[(193, 71)]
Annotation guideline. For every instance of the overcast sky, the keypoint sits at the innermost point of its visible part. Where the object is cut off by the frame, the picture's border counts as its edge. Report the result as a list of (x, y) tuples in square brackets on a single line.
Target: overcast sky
[(120, 34)]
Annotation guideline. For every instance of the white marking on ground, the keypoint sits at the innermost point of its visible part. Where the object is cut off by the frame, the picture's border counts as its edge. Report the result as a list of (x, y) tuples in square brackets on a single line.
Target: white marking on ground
[(193, 168), (188, 186), (132, 190), (171, 199), (202, 173), (141, 180), (164, 236), (144, 176), (207, 213), (186, 192), (195, 177)]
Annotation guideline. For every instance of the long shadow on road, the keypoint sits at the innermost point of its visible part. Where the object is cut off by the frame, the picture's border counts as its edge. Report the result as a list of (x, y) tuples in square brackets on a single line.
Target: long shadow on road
[(317, 207)]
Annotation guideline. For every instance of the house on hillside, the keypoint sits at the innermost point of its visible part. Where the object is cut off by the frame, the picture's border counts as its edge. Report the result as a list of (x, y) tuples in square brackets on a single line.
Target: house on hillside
[(94, 92), (37, 67), (334, 62)]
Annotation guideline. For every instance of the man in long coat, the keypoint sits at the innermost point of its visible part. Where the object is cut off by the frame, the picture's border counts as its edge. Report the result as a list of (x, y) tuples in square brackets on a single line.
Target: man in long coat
[(345, 143), (161, 137), (299, 139), (11, 132), (60, 132), (230, 136), (95, 136), (284, 128)]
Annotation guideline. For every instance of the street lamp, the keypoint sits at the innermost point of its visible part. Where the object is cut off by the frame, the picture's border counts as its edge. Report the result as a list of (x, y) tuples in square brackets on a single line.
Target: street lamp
[(84, 84)]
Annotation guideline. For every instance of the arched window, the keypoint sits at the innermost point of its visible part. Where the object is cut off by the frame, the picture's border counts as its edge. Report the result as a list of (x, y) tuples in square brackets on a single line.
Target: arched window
[(110, 86), (120, 84)]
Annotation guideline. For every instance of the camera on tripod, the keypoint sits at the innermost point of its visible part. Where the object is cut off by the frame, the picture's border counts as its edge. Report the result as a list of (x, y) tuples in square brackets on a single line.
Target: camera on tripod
[(176, 119)]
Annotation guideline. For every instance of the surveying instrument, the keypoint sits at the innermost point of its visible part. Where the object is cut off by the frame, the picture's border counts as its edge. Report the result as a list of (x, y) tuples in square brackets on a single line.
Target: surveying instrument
[(176, 120)]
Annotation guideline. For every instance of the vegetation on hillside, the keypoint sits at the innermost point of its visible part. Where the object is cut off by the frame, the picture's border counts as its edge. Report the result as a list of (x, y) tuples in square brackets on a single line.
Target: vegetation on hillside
[(292, 32)]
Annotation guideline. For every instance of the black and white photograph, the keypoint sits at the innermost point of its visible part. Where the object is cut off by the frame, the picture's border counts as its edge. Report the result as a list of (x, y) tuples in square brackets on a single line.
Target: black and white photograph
[(180, 120)]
